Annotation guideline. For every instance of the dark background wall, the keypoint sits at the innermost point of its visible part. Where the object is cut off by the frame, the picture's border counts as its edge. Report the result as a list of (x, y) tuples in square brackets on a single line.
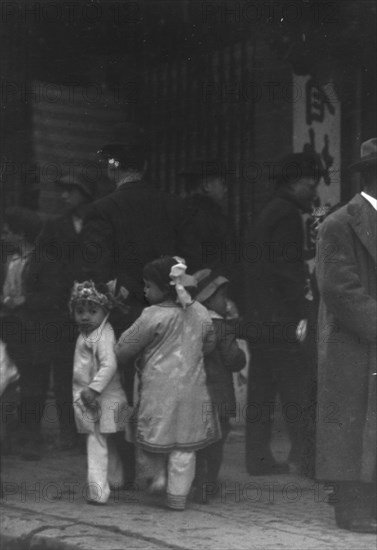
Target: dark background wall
[(74, 74)]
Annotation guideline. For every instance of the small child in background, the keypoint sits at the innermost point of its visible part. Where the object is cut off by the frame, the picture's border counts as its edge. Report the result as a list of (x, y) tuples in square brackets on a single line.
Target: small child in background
[(219, 365), (170, 338), (98, 397)]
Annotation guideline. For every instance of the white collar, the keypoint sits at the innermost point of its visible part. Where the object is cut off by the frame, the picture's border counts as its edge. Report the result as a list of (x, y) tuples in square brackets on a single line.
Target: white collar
[(370, 199)]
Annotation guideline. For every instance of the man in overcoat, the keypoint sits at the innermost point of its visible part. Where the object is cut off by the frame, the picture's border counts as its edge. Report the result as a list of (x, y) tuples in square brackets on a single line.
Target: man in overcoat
[(347, 331), (277, 306)]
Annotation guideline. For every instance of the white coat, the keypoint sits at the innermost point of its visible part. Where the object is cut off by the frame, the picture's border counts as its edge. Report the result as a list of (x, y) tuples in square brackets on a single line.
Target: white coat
[(95, 365)]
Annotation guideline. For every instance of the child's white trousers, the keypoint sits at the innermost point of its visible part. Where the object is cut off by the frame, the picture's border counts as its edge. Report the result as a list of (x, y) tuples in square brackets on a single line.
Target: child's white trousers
[(105, 468), (181, 473), (172, 472)]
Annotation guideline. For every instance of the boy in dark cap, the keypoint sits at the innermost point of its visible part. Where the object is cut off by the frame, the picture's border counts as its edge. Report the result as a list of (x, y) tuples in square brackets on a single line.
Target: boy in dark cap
[(219, 365)]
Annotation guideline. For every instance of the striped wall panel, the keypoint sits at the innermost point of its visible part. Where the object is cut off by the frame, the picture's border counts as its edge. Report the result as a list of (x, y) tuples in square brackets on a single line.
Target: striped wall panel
[(68, 126)]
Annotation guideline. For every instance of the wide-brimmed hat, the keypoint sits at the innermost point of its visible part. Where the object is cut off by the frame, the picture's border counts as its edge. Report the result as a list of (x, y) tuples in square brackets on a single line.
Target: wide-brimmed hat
[(208, 282), (86, 186), (368, 155)]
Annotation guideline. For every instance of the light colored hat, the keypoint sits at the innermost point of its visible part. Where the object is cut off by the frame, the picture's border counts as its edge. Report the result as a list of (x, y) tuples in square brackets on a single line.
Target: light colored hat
[(368, 155), (208, 282)]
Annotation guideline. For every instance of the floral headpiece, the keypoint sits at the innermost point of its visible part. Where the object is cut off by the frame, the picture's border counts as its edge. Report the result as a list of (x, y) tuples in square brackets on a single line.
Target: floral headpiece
[(87, 291), (180, 279)]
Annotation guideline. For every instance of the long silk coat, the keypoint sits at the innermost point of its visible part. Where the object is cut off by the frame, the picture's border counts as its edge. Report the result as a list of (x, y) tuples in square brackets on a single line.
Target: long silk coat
[(174, 409)]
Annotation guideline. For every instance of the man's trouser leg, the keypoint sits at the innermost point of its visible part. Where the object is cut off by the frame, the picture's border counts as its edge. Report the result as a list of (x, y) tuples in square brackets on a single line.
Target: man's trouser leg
[(290, 373), (62, 381), (258, 411)]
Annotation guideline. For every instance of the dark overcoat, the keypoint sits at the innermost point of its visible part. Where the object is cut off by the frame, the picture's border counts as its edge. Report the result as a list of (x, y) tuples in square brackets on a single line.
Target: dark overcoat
[(48, 280), (206, 238), (347, 328), (126, 229), (275, 270)]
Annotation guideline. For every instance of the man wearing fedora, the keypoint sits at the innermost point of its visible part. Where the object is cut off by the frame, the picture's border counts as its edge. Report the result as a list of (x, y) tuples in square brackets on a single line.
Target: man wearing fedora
[(277, 309), (347, 330)]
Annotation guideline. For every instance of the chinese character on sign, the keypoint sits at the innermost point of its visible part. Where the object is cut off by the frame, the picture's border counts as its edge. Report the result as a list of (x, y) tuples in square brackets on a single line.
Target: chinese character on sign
[(316, 101), (325, 155)]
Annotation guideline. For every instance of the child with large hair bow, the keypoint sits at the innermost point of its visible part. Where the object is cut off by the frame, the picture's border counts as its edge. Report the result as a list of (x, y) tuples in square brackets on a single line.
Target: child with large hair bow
[(169, 339)]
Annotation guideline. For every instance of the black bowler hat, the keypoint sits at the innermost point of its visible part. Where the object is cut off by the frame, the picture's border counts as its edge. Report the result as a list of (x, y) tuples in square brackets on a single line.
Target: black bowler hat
[(294, 166), (124, 155), (368, 155), (87, 187)]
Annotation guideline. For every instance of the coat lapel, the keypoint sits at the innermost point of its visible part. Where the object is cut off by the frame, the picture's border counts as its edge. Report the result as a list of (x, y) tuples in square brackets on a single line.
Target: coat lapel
[(363, 219)]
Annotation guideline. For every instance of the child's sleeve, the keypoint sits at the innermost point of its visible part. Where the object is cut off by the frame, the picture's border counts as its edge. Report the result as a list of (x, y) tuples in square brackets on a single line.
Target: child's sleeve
[(106, 360), (136, 338), (208, 336), (233, 357)]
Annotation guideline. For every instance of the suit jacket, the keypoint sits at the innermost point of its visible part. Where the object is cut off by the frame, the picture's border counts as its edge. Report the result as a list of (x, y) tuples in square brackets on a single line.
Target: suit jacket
[(205, 235), (126, 229), (48, 279), (275, 268), (220, 364), (55, 265), (347, 330)]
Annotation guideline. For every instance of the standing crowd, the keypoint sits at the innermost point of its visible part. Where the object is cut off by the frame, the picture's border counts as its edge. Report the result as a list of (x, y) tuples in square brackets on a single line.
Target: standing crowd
[(128, 305)]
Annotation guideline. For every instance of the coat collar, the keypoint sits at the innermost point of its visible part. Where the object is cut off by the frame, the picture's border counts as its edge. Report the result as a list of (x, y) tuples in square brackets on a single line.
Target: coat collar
[(287, 195), (363, 220), (130, 183)]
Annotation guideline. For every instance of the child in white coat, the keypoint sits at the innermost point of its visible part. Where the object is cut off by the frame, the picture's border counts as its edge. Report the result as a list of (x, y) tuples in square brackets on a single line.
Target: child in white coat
[(98, 398)]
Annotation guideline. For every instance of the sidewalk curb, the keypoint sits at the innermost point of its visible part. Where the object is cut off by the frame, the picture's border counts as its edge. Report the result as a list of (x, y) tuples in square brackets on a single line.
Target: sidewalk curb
[(23, 530)]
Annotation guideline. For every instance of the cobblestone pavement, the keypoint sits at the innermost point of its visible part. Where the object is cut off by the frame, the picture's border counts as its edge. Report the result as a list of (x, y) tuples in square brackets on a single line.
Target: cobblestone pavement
[(43, 507)]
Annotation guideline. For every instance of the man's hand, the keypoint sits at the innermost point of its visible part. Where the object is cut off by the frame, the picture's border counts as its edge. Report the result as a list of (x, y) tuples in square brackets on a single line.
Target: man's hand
[(89, 398), (301, 330)]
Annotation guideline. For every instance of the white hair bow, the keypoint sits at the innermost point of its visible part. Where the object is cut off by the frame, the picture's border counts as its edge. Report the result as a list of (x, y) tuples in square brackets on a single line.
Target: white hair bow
[(180, 279)]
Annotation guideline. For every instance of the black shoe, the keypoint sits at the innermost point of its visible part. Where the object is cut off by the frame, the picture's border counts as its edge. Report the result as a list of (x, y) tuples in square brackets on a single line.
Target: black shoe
[(365, 525), (268, 469), (32, 455), (95, 503)]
